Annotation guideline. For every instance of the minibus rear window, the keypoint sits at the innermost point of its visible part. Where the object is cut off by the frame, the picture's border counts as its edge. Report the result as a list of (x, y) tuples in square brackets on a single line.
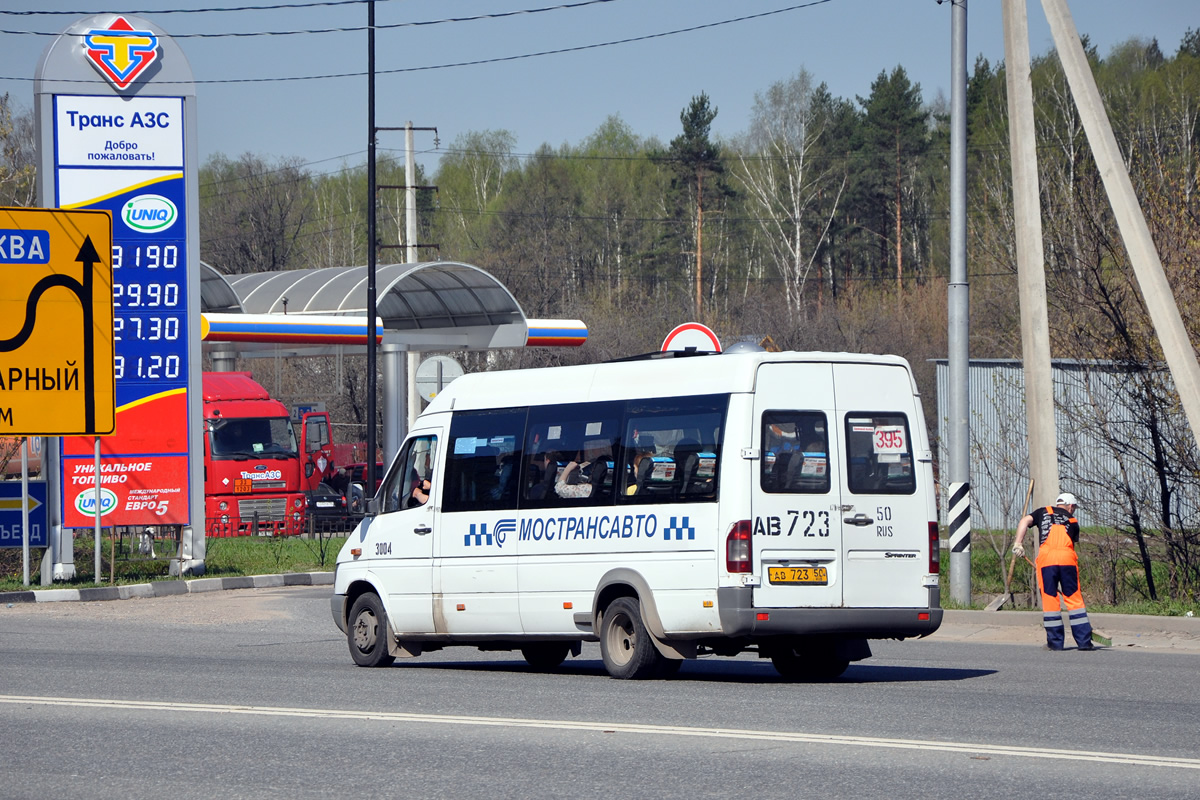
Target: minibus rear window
[(795, 453), (879, 453)]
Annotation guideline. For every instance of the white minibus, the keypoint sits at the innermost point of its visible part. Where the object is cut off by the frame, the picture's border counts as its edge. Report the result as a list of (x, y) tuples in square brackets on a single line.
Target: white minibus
[(668, 506)]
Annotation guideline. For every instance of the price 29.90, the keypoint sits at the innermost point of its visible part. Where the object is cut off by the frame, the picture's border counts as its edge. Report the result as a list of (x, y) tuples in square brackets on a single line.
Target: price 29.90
[(145, 295)]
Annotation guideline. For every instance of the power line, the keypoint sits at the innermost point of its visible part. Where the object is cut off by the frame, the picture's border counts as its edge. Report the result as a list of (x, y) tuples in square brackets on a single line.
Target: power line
[(350, 28), (157, 11), (474, 63)]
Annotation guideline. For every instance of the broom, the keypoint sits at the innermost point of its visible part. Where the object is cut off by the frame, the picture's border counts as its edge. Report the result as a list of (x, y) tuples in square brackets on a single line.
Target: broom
[(999, 602)]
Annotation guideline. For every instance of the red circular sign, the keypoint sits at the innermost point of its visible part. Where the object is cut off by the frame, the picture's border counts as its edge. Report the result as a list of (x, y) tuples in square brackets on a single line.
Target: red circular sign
[(692, 336)]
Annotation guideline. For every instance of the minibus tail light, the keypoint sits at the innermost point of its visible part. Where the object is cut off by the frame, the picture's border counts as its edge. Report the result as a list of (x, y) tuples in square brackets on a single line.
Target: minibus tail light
[(737, 547), (935, 549)]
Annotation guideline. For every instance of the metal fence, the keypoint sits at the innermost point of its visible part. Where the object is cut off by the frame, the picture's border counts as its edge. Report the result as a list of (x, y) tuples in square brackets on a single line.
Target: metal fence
[(1103, 412)]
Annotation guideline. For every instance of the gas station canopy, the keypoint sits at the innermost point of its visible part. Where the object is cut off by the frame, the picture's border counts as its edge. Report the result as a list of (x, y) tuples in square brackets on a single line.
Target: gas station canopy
[(434, 305)]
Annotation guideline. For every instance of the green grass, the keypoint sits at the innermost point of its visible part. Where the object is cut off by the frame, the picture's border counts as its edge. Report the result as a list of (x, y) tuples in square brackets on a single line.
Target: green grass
[(245, 555), (1103, 578), (1113, 582)]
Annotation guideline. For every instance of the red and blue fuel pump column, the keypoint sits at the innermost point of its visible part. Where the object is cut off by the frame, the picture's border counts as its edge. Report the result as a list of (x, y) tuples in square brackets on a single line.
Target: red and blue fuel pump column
[(116, 107)]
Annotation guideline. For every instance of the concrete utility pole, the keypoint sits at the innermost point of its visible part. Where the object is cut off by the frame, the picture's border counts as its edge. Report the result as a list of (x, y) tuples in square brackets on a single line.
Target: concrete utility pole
[(1040, 430), (958, 519), (1160, 302), (410, 257), (372, 309), (699, 245), (402, 406)]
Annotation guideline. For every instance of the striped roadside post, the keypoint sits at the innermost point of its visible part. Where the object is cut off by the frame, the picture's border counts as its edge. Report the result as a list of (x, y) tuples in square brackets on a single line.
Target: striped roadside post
[(959, 527)]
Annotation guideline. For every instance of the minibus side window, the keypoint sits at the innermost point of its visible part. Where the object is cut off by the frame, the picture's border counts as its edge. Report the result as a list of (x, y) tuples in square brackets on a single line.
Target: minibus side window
[(483, 460), (879, 453), (795, 453), (569, 455), (671, 450)]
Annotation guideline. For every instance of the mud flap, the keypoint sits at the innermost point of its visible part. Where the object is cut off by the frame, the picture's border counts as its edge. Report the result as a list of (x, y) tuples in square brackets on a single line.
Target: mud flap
[(852, 649), (677, 649), (400, 649)]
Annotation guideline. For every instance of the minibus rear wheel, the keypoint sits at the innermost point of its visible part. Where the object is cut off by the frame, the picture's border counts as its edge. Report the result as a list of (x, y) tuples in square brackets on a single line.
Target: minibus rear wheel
[(367, 632), (625, 644), (546, 655), (797, 661)]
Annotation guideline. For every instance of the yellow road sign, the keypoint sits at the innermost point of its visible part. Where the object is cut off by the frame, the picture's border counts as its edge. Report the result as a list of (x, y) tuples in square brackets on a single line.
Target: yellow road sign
[(56, 322)]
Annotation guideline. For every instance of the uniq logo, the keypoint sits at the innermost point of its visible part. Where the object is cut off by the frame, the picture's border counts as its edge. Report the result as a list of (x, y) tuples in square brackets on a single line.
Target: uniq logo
[(149, 213), (85, 501)]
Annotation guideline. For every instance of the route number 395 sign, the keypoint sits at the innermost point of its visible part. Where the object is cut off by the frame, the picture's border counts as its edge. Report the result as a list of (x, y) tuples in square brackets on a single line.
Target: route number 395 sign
[(889, 440)]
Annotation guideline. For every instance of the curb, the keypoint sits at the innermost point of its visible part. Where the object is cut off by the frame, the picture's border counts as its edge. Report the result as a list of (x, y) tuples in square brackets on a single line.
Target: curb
[(167, 588), (1142, 623)]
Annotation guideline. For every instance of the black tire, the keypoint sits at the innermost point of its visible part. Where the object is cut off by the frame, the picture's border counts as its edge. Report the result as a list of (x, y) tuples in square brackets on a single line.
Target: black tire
[(367, 632), (808, 662), (668, 667), (546, 655), (625, 644)]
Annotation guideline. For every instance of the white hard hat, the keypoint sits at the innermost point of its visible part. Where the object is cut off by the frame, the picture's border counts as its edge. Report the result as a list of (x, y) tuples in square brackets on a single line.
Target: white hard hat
[(1066, 499)]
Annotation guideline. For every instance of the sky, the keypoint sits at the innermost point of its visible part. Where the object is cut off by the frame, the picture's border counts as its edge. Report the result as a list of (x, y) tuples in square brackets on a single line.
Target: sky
[(553, 99)]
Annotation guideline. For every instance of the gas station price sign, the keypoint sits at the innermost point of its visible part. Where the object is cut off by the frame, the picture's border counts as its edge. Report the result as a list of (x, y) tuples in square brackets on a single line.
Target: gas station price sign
[(126, 155)]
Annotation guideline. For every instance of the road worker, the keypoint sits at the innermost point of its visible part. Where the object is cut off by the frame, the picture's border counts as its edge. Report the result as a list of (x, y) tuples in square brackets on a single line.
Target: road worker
[(1058, 570)]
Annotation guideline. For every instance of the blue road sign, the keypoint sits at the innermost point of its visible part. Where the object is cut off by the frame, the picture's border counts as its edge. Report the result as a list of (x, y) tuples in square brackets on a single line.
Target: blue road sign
[(10, 514)]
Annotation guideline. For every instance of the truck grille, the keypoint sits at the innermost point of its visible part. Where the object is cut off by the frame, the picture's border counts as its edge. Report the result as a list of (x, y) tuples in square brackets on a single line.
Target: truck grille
[(263, 506), (270, 484)]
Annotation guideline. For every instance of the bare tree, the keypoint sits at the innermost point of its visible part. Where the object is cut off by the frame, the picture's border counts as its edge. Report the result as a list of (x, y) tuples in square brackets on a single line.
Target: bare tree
[(790, 191), (18, 156), (253, 213)]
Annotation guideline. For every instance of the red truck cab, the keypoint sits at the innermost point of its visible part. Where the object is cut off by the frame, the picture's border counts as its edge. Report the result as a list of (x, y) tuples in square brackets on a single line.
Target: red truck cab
[(317, 438), (253, 479)]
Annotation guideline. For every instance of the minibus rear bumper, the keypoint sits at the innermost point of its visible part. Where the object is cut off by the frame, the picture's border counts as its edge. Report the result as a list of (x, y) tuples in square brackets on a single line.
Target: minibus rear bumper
[(739, 617)]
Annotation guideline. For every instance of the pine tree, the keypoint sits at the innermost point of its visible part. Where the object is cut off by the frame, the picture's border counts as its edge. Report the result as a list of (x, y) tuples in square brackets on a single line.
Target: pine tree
[(894, 136), (693, 156)]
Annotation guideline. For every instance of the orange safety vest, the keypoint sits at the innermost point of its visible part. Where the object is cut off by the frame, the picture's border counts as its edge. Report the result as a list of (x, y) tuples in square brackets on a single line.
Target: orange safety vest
[(1057, 533)]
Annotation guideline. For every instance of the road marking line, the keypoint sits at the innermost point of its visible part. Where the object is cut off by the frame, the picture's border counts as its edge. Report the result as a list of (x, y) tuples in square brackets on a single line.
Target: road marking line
[(1127, 759)]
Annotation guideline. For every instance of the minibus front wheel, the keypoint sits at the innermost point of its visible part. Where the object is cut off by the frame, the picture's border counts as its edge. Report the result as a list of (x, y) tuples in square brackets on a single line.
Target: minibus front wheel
[(366, 632)]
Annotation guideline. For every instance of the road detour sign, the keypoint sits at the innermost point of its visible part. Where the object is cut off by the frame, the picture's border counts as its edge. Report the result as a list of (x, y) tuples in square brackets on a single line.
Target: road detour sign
[(56, 322)]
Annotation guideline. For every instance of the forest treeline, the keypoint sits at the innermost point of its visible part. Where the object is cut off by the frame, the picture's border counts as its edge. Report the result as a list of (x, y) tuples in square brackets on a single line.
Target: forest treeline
[(824, 225)]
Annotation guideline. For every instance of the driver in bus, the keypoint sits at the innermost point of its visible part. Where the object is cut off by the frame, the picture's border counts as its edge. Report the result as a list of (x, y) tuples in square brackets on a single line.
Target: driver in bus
[(419, 495)]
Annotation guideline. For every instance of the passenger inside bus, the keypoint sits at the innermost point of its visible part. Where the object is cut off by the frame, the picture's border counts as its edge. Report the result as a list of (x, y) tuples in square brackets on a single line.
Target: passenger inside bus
[(695, 467), (585, 475), (642, 464), (569, 483), (543, 471), (504, 470), (808, 468)]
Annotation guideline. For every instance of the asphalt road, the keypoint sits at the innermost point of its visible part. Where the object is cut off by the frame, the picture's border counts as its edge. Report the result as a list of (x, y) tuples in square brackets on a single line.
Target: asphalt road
[(252, 693)]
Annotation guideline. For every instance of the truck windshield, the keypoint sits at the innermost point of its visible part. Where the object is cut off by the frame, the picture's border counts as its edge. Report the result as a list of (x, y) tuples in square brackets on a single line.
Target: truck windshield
[(252, 437)]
